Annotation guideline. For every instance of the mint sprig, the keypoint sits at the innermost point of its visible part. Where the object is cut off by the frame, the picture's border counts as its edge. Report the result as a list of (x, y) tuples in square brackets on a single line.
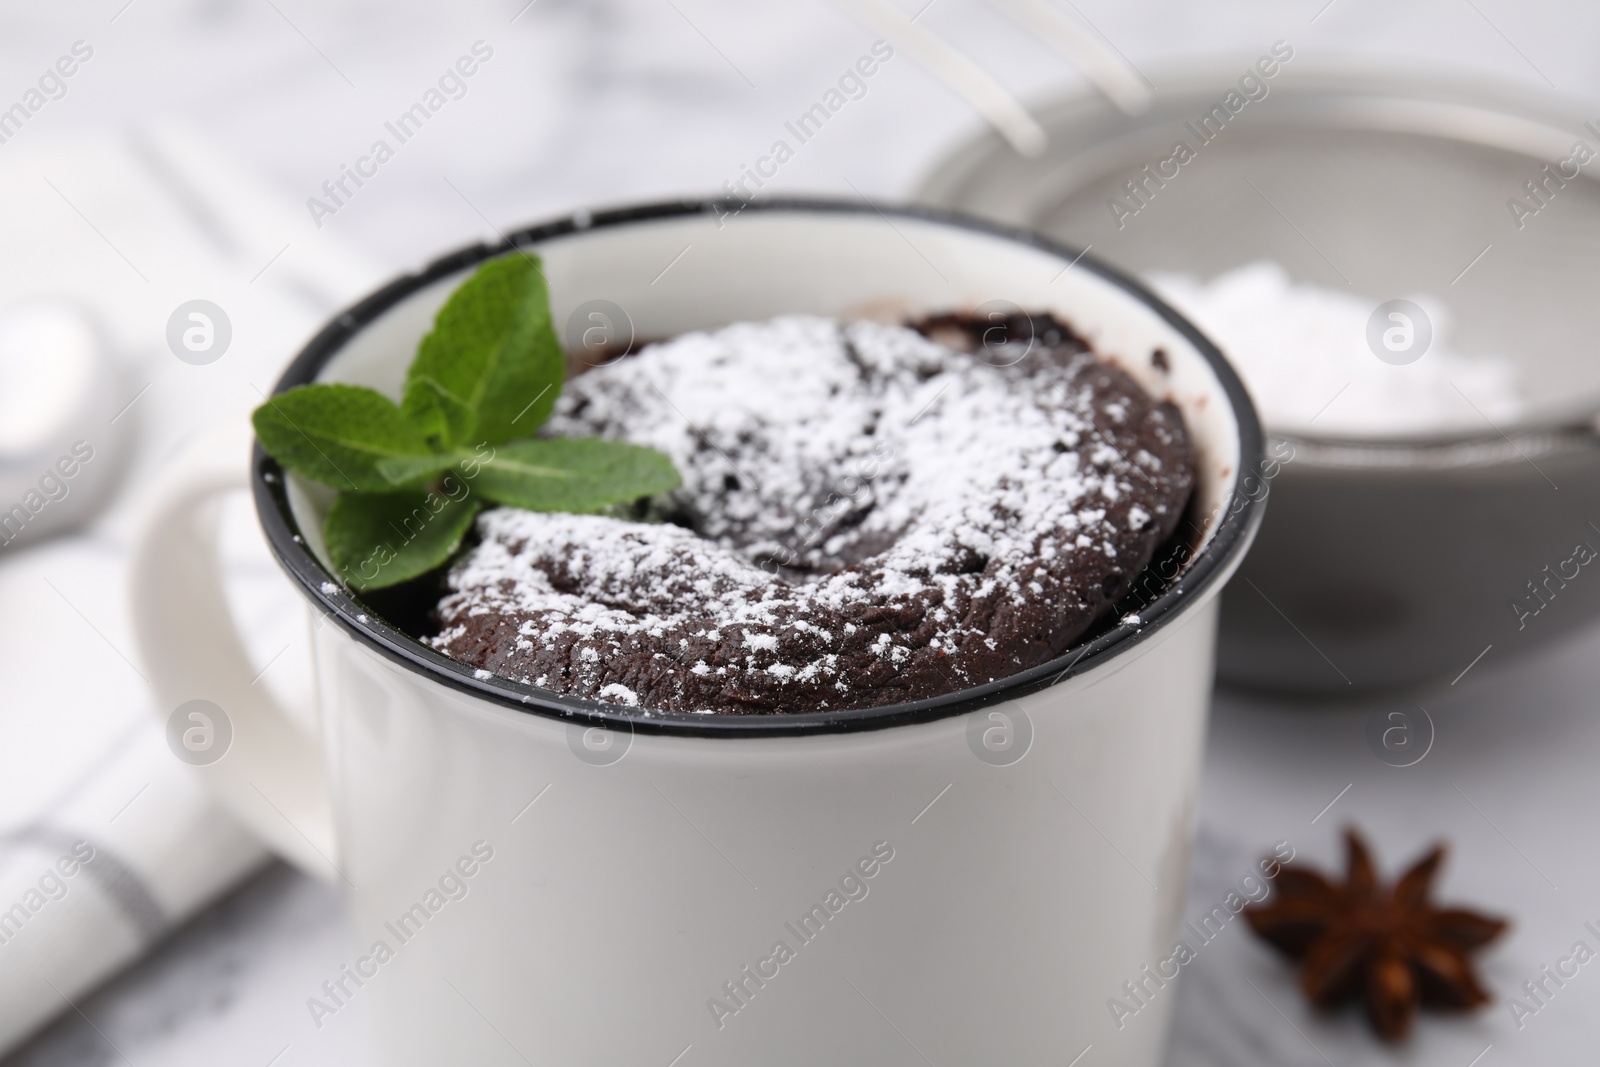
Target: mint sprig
[(340, 435), (379, 540), (412, 476), (491, 368), (578, 474)]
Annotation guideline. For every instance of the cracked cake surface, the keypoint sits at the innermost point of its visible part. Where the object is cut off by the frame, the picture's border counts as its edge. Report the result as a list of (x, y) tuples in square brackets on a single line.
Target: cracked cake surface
[(867, 516)]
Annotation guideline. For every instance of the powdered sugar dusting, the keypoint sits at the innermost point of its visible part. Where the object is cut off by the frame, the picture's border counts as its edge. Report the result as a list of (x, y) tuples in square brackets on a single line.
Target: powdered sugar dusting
[(846, 528), (619, 694)]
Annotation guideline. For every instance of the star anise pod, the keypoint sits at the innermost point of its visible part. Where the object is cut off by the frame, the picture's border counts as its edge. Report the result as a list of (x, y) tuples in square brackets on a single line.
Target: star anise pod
[(1391, 947)]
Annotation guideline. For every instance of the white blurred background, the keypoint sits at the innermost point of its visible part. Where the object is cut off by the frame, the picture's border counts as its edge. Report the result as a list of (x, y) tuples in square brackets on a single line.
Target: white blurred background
[(592, 102), (178, 165)]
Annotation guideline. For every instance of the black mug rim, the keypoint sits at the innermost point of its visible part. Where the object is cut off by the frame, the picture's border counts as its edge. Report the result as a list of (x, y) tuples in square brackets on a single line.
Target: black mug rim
[(1240, 515)]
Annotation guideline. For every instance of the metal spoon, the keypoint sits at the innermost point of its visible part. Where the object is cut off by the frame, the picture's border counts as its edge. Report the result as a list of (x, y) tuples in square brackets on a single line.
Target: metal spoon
[(58, 427)]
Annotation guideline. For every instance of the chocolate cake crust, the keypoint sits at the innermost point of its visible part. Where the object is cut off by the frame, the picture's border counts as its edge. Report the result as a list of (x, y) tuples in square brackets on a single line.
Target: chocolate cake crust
[(869, 516)]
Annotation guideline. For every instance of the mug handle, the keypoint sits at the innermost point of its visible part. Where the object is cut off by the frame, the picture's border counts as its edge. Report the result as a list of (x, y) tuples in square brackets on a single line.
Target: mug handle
[(271, 775)]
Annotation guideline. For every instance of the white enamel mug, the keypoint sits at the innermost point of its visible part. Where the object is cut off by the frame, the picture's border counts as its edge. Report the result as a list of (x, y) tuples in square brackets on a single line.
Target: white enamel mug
[(539, 879)]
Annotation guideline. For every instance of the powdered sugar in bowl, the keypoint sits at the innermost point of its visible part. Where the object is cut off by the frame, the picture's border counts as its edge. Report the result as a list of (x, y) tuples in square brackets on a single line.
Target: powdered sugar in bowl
[(754, 887)]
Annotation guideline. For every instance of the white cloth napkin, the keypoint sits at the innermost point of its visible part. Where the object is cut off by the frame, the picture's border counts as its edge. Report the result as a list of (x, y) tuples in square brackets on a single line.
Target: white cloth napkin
[(107, 840)]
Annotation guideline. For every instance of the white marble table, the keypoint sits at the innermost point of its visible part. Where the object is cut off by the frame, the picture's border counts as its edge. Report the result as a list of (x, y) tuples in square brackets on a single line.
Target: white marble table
[(589, 102), (1509, 782)]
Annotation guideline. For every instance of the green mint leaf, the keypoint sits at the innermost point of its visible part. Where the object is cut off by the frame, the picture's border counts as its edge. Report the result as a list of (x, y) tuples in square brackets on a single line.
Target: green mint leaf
[(409, 472), (442, 416), (337, 434), (573, 474), (381, 540), (491, 368)]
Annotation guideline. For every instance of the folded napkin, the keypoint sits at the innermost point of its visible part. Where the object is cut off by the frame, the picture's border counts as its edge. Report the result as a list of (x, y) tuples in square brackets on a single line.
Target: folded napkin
[(108, 840)]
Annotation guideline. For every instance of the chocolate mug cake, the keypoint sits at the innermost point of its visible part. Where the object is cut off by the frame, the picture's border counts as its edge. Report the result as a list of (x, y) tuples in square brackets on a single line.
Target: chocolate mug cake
[(870, 514)]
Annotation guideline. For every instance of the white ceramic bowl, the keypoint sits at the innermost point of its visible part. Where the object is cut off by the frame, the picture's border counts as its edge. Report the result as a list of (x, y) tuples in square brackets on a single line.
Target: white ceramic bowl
[(1391, 563)]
